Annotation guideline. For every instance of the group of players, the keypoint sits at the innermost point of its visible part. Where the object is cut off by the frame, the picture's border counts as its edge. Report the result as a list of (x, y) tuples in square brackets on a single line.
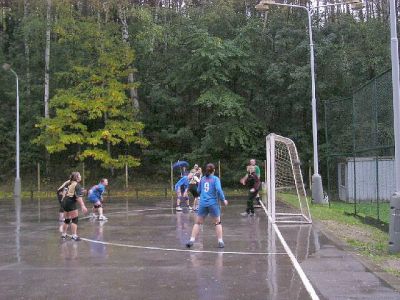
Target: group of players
[(70, 193), (207, 188)]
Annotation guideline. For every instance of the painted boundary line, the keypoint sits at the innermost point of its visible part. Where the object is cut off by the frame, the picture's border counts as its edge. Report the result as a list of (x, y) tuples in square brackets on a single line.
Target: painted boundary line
[(170, 249), (180, 250), (130, 211), (303, 276)]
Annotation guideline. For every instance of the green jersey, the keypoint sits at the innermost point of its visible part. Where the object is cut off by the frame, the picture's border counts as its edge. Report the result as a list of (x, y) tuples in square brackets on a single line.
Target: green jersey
[(258, 171)]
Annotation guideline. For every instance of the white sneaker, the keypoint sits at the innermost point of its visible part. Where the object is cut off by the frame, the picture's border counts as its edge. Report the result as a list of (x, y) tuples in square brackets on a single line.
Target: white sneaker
[(103, 218), (178, 208), (93, 216), (190, 208)]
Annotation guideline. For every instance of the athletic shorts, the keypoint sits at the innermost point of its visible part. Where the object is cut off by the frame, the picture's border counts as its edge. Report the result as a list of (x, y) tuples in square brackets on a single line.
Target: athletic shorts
[(193, 190), (94, 200), (69, 204), (214, 211), (182, 188)]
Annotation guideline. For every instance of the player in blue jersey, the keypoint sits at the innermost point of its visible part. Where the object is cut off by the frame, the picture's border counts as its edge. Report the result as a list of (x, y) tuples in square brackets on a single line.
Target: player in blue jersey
[(210, 191), (181, 189), (95, 197)]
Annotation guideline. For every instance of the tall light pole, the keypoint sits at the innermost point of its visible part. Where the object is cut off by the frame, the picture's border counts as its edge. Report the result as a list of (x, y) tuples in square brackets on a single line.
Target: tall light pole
[(317, 190), (17, 186), (394, 231)]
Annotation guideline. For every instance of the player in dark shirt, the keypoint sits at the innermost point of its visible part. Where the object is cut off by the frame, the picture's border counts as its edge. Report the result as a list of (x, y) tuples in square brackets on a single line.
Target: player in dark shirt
[(73, 194), (253, 183)]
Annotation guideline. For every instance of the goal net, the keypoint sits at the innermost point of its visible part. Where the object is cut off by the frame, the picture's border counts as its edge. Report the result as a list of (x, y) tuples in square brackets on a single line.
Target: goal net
[(285, 183)]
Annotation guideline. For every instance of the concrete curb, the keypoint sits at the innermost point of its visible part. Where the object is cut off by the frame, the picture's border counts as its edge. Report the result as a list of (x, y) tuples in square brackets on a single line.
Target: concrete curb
[(390, 279)]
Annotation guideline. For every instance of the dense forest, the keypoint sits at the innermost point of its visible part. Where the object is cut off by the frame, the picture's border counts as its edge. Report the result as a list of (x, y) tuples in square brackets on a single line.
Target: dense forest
[(145, 82)]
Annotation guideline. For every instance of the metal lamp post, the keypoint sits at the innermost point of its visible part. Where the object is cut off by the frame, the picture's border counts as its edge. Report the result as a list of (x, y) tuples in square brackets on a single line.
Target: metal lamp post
[(394, 230), (317, 190), (17, 186)]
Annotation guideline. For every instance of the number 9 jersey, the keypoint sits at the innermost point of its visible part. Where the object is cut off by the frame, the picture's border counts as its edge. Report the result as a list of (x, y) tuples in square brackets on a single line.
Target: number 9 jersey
[(210, 190)]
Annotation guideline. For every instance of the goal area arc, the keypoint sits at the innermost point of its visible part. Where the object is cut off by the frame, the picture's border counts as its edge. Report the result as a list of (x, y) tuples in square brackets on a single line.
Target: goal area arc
[(285, 180)]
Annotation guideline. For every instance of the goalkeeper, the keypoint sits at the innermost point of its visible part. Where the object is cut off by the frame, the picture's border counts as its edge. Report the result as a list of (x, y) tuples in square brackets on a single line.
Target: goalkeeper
[(258, 173), (253, 183)]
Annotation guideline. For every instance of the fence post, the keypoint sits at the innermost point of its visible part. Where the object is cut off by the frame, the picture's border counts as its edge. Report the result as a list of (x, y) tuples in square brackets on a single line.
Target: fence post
[(327, 152), (172, 177), (38, 177), (265, 170), (309, 174), (376, 142), (219, 170), (83, 174), (126, 175)]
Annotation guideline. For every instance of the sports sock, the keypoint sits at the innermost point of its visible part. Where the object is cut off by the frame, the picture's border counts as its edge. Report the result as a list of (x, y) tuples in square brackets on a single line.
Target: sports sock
[(192, 239), (220, 240)]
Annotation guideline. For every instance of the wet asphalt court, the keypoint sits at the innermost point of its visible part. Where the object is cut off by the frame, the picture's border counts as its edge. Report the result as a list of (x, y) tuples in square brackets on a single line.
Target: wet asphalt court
[(139, 253)]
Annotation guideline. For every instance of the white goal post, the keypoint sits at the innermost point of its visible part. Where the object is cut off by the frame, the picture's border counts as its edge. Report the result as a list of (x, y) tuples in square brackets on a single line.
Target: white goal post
[(284, 178)]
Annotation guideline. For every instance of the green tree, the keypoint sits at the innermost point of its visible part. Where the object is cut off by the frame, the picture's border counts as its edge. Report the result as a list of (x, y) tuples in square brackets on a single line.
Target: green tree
[(92, 114)]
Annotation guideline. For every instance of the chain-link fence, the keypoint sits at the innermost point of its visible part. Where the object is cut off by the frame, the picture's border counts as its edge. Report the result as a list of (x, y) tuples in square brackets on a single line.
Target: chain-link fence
[(147, 180), (360, 149)]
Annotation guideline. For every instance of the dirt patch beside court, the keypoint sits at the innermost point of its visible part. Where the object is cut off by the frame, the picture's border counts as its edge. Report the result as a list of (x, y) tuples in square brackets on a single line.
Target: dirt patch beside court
[(348, 231)]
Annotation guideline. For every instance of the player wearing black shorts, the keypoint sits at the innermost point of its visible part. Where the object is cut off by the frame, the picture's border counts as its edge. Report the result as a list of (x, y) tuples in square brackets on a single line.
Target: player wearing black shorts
[(193, 185), (73, 195), (61, 192), (253, 183)]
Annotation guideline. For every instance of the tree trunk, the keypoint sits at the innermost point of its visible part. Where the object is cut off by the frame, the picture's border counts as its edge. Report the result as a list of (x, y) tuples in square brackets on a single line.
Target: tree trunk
[(125, 37), (47, 61), (27, 57)]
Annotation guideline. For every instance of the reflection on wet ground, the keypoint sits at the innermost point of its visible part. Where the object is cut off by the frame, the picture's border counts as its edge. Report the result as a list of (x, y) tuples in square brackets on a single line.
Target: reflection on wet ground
[(139, 253)]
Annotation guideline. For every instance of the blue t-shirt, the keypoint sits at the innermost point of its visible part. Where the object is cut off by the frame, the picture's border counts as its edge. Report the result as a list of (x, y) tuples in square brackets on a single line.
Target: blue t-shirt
[(96, 192), (210, 190), (184, 182)]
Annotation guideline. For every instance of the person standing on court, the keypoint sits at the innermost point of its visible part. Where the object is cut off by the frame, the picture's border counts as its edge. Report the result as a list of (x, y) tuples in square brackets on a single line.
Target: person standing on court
[(193, 184), (73, 194), (181, 189), (95, 197), (252, 163), (61, 193), (210, 191), (253, 183)]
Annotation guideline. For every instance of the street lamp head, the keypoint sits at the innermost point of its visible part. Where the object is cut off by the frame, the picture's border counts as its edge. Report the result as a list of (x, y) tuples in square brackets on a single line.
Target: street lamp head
[(6, 67), (264, 5), (357, 6), (352, 1), (261, 7)]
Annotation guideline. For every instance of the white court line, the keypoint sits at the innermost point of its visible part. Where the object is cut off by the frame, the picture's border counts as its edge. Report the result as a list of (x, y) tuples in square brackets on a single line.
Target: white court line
[(129, 211), (172, 249), (303, 276), (181, 250)]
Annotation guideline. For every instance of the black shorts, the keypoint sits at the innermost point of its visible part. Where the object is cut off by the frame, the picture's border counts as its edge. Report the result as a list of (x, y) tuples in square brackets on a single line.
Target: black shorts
[(193, 190), (69, 204)]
